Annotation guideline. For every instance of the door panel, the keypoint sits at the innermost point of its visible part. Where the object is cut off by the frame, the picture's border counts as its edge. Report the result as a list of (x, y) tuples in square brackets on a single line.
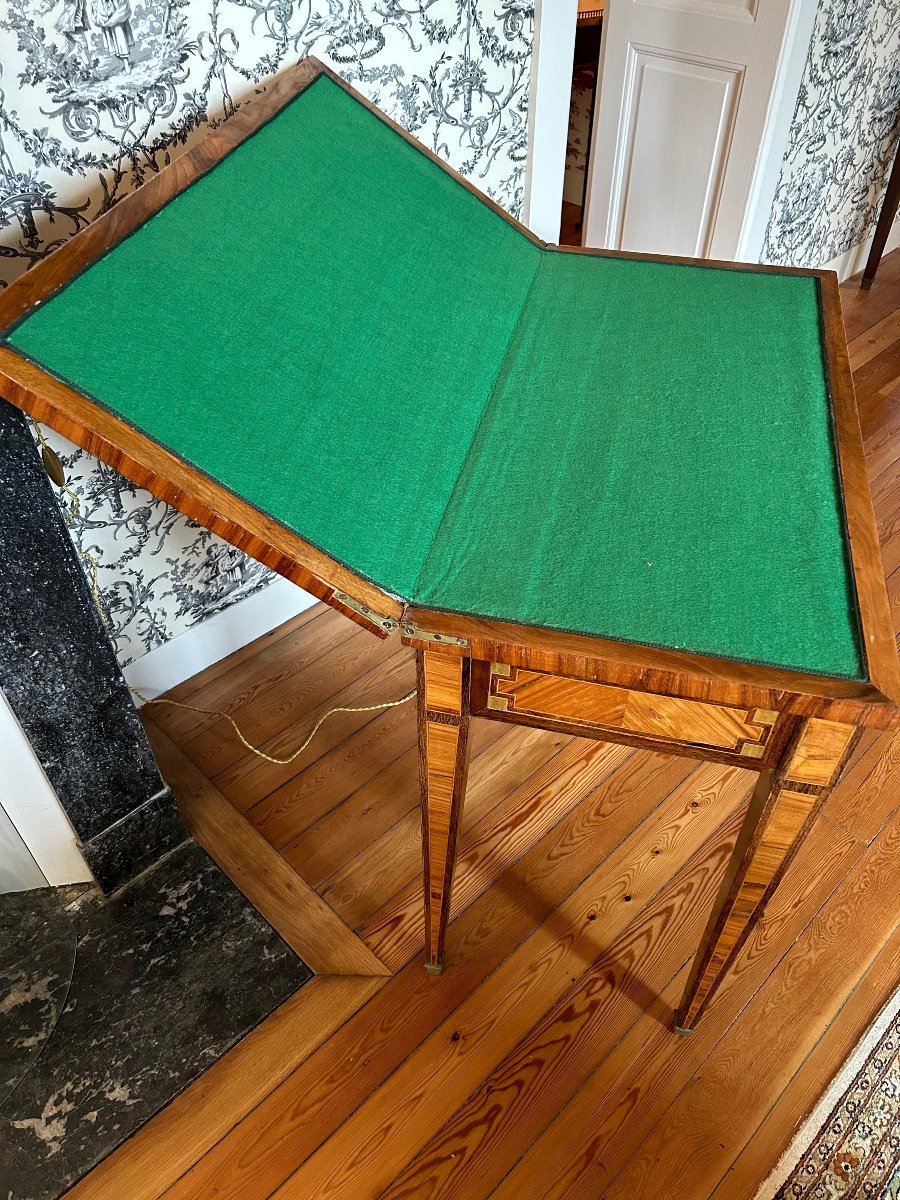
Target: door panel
[(667, 94), (685, 89)]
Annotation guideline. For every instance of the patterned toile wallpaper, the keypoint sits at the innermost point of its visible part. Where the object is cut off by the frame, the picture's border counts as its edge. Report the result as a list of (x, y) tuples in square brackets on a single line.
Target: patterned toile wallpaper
[(95, 95), (843, 135)]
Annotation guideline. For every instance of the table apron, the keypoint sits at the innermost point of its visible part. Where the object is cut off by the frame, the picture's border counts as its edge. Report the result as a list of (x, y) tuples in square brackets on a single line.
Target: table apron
[(753, 738)]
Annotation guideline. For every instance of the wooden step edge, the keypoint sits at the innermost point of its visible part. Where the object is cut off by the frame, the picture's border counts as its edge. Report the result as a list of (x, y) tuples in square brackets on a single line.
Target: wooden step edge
[(309, 926)]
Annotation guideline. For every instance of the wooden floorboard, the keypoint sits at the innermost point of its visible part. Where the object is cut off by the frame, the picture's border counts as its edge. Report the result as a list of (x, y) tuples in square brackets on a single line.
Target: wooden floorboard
[(772, 1137), (762, 1052), (378, 881), (541, 1064), (305, 921), (160, 1152), (612, 1115)]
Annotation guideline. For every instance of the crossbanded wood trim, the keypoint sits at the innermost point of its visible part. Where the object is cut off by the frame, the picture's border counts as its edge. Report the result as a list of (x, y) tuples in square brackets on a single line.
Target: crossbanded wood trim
[(790, 811), (309, 926), (443, 683), (169, 478), (878, 633), (820, 753), (598, 709), (442, 746), (678, 673), (691, 675), (443, 718)]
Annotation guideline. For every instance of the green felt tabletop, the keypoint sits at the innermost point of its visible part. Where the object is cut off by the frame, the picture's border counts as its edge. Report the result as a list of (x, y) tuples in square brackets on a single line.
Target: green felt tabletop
[(332, 327)]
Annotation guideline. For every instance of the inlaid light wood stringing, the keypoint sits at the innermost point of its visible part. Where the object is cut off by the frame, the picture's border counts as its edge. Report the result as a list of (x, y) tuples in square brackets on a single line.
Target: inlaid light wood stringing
[(597, 706), (813, 767)]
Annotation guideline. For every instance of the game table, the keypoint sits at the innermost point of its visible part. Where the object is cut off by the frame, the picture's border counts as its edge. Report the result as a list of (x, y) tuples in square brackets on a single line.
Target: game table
[(607, 494)]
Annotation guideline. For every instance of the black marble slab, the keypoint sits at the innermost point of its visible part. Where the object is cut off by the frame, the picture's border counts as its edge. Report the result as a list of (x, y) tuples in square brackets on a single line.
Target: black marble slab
[(36, 963), (59, 672), (134, 843), (169, 973)]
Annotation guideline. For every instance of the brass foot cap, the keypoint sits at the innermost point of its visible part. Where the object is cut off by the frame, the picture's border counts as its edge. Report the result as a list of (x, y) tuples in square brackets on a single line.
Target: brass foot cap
[(679, 1028)]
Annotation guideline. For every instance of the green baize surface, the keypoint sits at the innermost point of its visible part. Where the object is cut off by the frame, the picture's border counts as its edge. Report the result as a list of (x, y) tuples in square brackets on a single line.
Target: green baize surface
[(336, 330)]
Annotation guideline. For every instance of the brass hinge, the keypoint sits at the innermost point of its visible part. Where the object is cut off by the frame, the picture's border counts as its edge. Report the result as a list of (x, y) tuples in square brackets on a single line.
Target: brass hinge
[(423, 635), (388, 624)]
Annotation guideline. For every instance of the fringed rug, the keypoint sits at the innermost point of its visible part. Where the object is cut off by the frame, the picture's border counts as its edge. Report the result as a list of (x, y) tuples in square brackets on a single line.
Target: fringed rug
[(849, 1147)]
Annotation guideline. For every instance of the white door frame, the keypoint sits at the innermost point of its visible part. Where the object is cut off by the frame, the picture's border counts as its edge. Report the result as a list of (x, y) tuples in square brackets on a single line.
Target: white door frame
[(548, 120), (548, 115), (767, 173), (34, 809)]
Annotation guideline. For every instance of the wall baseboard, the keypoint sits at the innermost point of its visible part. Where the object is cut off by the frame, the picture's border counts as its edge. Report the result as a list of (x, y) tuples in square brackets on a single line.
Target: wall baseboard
[(853, 260), (216, 638)]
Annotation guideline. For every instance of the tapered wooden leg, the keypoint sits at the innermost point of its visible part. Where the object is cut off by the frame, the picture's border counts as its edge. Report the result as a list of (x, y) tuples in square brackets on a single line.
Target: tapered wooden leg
[(443, 760), (782, 809)]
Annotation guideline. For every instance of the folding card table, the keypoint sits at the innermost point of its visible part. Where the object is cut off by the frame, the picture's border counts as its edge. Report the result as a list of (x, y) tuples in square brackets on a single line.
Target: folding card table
[(606, 494)]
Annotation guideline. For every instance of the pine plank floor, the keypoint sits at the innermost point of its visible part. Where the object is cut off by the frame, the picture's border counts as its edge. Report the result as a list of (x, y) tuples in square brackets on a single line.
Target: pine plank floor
[(541, 1064)]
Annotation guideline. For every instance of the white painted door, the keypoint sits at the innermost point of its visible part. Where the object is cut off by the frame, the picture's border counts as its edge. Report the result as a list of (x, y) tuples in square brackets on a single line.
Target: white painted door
[(685, 90)]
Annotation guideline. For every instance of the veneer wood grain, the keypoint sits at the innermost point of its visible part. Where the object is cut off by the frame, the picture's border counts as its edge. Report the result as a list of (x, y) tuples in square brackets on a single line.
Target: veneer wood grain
[(443, 720), (662, 672), (171, 478), (752, 738)]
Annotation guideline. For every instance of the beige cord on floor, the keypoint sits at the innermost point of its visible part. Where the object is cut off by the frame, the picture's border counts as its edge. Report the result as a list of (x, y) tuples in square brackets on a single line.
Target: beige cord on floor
[(279, 762)]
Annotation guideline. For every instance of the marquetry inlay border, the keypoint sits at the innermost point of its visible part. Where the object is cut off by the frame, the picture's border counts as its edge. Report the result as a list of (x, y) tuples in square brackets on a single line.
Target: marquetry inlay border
[(603, 710)]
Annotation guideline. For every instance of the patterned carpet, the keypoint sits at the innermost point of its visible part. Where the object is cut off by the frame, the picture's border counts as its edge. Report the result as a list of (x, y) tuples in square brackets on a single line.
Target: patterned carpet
[(849, 1147)]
